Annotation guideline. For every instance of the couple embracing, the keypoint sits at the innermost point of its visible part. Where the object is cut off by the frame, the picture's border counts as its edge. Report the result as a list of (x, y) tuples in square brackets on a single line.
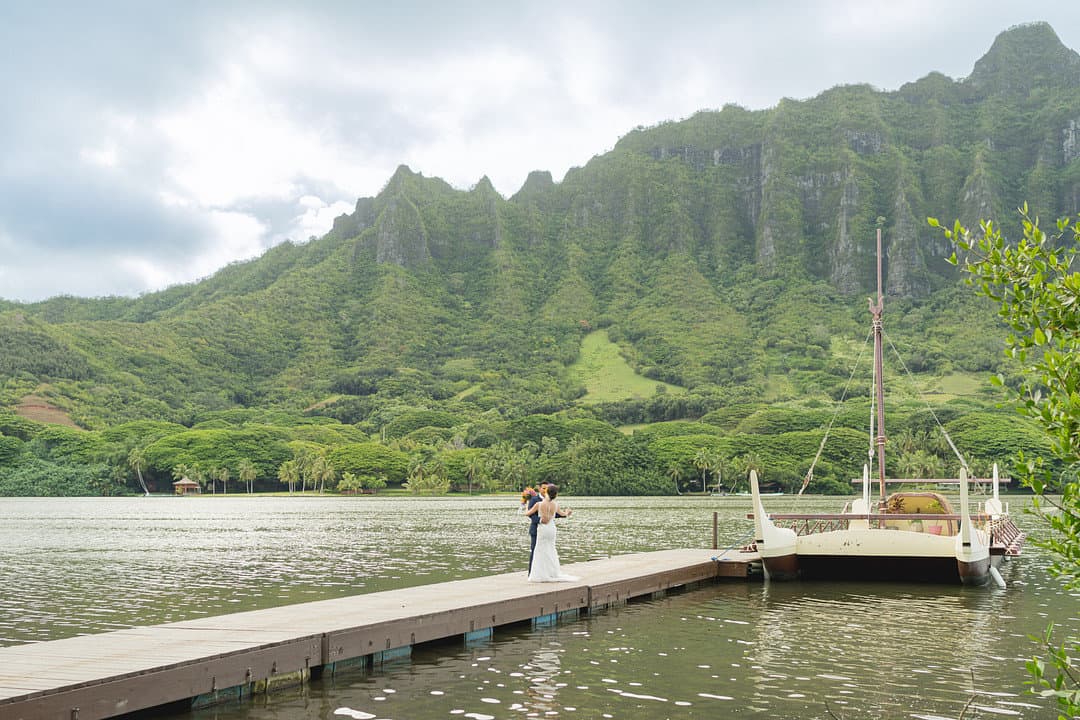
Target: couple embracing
[(542, 509)]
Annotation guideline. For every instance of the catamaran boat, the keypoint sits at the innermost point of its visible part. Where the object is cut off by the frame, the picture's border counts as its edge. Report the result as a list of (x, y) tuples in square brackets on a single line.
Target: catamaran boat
[(911, 536), (902, 536)]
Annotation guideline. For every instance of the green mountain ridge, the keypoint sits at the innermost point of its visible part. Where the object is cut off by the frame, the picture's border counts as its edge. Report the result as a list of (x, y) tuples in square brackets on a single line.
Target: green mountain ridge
[(724, 253)]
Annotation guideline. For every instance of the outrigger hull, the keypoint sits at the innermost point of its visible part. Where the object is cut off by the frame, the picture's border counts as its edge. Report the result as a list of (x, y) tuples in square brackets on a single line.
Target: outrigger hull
[(893, 568), (866, 549)]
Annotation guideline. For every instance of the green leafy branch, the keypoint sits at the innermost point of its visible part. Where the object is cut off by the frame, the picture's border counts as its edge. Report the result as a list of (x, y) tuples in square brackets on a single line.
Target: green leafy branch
[(1038, 296)]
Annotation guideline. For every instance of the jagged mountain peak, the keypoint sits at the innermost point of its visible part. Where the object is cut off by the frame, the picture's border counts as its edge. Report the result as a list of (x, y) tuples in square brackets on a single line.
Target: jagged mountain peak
[(403, 178), (403, 171), (680, 241), (538, 181), (484, 186), (1025, 57)]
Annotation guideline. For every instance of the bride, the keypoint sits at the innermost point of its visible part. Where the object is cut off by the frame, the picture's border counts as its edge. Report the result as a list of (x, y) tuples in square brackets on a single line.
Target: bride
[(545, 566)]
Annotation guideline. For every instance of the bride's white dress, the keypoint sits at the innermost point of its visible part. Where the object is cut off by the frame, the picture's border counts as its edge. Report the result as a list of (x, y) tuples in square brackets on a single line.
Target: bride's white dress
[(545, 565)]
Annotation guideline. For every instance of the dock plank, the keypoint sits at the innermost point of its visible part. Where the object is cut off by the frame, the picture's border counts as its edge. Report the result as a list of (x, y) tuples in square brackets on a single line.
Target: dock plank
[(100, 676)]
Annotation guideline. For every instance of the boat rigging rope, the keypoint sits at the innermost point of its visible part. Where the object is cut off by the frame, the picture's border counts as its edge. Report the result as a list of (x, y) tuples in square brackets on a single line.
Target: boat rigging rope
[(839, 405), (963, 462)]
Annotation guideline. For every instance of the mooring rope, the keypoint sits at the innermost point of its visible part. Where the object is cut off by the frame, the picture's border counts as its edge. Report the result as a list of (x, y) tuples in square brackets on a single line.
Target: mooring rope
[(738, 543)]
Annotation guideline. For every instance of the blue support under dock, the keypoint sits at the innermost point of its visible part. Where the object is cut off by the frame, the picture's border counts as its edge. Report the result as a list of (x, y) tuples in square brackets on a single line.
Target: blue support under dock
[(231, 657)]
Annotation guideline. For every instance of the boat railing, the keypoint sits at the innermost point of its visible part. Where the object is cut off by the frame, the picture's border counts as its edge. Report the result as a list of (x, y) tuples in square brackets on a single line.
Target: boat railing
[(812, 523), (1006, 536), (937, 481)]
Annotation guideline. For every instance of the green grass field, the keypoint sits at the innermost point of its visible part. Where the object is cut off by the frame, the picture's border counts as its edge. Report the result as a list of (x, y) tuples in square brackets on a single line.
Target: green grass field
[(607, 376), (959, 385)]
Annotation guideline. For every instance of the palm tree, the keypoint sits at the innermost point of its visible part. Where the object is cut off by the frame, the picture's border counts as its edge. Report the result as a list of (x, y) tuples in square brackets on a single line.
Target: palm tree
[(908, 465), (137, 461), (427, 475), (503, 461), (437, 469), (288, 473), (305, 462), (703, 461), (196, 473), (674, 472), (322, 471), (223, 476), (905, 441), (520, 469), (473, 469), (718, 461), (417, 471), (741, 466), (247, 474), (350, 482)]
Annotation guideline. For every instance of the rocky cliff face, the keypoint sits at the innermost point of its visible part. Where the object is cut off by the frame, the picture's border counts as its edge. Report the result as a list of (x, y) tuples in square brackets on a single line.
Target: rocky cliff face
[(797, 188), (842, 254), (1070, 147), (905, 263), (400, 238), (978, 198), (680, 240)]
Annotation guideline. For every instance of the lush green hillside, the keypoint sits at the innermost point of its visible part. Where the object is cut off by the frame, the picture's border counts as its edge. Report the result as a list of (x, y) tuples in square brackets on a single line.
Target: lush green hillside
[(725, 256), (607, 376)]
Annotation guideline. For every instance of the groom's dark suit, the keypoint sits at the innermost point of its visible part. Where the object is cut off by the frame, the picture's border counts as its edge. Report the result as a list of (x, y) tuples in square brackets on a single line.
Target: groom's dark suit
[(534, 523)]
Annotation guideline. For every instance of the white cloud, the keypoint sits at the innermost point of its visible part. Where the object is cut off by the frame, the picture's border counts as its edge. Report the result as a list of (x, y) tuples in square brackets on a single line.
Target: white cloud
[(317, 217), (148, 149), (83, 274), (147, 273), (103, 156), (236, 236), (229, 143), (231, 236), (852, 19)]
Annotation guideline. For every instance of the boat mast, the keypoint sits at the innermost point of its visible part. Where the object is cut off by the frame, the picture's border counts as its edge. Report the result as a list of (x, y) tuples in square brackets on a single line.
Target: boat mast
[(879, 388)]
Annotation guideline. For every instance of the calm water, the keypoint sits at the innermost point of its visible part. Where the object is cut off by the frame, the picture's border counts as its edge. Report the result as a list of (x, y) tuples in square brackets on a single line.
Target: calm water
[(76, 566)]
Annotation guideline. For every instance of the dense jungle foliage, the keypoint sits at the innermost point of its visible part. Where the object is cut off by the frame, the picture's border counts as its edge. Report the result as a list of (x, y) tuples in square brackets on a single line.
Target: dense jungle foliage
[(679, 309)]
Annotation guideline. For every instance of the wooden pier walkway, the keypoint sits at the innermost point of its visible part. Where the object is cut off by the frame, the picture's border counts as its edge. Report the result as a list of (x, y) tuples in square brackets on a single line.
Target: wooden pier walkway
[(215, 659)]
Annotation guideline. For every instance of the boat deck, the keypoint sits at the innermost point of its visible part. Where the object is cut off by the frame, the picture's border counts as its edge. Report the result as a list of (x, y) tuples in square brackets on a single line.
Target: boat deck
[(1005, 537)]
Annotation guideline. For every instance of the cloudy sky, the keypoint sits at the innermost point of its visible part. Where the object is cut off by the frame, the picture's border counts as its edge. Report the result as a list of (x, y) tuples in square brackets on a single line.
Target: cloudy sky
[(144, 143)]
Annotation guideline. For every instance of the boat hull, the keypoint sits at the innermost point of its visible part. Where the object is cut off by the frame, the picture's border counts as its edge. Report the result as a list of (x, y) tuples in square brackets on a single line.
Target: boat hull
[(784, 567), (945, 570), (879, 554), (974, 573)]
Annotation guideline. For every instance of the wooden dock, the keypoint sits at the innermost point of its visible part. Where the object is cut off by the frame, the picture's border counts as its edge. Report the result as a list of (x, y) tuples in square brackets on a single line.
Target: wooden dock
[(216, 659)]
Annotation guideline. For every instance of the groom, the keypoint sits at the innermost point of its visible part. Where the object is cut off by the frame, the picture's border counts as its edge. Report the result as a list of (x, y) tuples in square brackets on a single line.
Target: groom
[(534, 519)]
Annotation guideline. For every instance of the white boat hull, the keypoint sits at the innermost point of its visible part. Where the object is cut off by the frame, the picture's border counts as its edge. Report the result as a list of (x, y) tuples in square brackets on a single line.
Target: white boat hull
[(879, 554), (863, 551)]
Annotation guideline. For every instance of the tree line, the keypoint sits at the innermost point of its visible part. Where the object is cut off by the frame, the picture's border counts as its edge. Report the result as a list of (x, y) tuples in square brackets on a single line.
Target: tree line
[(434, 451)]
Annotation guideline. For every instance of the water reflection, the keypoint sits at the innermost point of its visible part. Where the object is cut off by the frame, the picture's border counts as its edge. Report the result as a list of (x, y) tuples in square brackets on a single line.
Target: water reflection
[(731, 650), (728, 651), (544, 668), (886, 649), (84, 565)]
